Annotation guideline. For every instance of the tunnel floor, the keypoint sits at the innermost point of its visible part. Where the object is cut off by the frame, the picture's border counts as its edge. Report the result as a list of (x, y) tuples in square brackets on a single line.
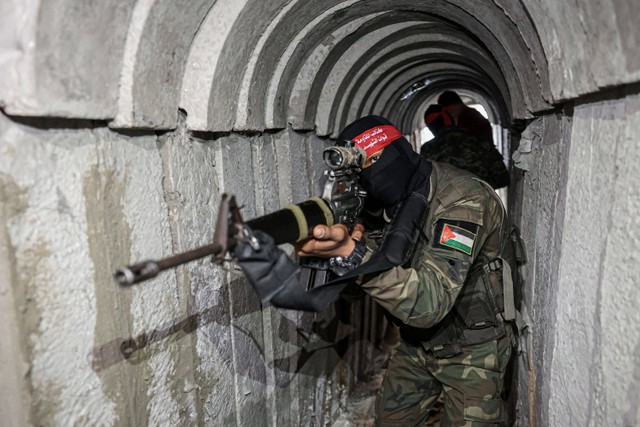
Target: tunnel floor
[(361, 404)]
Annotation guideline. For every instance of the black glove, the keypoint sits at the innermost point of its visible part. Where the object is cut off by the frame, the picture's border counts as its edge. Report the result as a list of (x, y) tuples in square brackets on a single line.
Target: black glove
[(274, 276), (267, 267)]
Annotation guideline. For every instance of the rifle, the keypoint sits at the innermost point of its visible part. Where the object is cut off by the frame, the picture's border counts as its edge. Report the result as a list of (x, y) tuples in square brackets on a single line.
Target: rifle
[(342, 201)]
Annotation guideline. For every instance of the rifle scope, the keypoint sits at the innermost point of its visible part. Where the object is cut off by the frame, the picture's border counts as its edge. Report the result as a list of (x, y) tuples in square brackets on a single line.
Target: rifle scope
[(344, 157)]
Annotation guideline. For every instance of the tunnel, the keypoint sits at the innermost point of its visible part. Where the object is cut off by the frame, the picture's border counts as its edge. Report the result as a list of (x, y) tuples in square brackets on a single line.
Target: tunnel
[(122, 123)]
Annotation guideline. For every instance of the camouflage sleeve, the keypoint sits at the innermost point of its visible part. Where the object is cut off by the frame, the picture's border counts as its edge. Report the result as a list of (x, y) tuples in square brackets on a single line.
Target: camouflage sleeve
[(422, 296)]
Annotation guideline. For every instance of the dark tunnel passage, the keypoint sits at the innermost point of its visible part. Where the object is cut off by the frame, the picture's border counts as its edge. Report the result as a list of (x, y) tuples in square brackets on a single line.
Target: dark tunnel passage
[(123, 122)]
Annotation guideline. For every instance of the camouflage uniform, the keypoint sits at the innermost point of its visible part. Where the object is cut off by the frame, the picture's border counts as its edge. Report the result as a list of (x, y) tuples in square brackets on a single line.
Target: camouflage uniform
[(449, 306), (465, 150)]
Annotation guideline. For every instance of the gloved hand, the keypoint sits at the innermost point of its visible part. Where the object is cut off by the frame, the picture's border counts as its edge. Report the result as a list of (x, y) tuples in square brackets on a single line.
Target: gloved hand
[(266, 266), (274, 276)]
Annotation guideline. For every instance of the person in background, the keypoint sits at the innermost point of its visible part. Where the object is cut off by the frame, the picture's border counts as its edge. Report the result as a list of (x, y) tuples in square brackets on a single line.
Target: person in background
[(464, 116), (463, 148)]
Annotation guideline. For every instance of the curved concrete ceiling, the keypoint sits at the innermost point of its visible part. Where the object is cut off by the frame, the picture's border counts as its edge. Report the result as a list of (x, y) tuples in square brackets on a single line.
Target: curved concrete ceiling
[(251, 65)]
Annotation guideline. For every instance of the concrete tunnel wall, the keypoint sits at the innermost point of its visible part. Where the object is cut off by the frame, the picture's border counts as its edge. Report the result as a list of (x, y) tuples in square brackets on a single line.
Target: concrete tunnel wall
[(99, 168)]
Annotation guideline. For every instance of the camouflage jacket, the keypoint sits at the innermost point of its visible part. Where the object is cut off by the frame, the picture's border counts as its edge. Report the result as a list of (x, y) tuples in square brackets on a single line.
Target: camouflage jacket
[(465, 150), (466, 228)]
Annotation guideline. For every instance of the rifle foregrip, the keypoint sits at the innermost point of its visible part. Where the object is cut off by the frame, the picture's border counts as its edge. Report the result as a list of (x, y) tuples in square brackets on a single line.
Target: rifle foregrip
[(294, 222)]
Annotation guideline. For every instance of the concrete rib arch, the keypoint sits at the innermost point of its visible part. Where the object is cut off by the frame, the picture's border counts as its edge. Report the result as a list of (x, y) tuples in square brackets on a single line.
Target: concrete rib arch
[(408, 56), (99, 167), (309, 31), (157, 54)]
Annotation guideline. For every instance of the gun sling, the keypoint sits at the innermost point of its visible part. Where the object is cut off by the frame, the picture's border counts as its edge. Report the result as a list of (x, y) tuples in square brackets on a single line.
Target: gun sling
[(395, 249)]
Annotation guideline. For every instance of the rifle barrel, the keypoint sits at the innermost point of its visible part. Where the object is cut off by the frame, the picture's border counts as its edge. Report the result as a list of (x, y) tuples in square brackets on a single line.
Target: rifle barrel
[(131, 274), (288, 225)]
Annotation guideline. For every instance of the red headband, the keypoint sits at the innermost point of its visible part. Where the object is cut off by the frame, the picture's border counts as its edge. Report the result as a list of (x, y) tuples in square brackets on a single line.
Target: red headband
[(434, 116), (377, 138)]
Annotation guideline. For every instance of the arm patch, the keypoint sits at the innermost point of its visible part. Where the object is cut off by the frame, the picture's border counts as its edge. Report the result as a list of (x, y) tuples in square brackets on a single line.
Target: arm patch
[(455, 235)]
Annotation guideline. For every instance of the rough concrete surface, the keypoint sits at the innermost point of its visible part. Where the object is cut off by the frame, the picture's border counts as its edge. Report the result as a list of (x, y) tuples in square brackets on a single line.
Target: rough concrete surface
[(596, 336), (13, 365), (122, 123), (169, 351), (574, 34), (544, 197)]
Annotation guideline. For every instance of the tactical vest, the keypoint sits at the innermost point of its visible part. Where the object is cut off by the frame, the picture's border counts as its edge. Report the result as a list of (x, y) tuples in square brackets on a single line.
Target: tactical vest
[(490, 296)]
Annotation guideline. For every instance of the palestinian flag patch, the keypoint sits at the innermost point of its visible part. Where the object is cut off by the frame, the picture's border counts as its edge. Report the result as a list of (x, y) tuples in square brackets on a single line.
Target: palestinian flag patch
[(458, 235)]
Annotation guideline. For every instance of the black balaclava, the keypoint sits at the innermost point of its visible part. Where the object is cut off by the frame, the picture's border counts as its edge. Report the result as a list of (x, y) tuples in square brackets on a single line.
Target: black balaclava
[(398, 172), (449, 97), (436, 119)]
